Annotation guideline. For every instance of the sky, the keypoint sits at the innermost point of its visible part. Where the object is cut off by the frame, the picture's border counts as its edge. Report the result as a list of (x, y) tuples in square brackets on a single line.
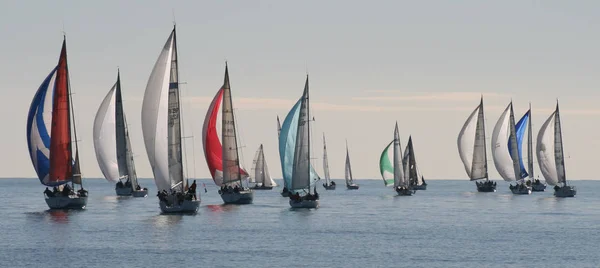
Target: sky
[(423, 64)]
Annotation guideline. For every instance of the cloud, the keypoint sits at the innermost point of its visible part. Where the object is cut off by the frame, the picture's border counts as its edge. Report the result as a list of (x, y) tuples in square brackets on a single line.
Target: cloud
[(440, 96)]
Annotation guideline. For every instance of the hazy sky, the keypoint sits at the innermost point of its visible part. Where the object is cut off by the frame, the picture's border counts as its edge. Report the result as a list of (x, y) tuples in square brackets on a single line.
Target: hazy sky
[(371, 63)]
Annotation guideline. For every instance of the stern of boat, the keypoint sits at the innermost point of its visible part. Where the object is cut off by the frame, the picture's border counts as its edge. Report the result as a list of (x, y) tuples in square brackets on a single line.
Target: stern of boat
[(66, 202), (240, 198)]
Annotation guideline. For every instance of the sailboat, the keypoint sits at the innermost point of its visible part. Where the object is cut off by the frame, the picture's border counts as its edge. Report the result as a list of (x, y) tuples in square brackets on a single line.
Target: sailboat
[(228, 174), (52, 152), (472, 151), (348, 174), (505, 152), (409, 161), (303, 177), (112, 145), (161, 128), (550, 155), (525, 124), (262, 178), (401, 184), (329, 184)]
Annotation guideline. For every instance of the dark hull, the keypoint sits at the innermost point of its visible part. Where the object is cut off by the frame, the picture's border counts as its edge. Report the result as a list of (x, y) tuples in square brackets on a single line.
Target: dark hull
[(486, 188), (262, 188)]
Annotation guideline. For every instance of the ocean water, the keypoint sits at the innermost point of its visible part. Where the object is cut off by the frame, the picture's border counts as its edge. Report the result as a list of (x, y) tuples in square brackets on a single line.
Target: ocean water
[(449, 225)]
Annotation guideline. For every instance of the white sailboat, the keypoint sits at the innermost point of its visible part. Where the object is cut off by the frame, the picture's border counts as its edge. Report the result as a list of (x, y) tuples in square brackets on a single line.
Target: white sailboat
[(550, 155), (329, 184), (52, 139), (302, 176), (401, 183), (161, 128), (505, 152), (112, 145), (348, 174), (472, 151), (410, 163), (262, 178)]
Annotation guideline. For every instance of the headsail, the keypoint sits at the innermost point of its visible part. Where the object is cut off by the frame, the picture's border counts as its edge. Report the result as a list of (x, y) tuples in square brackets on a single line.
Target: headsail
[(52, 152), (550, 150), (521, 126), (161, 119), (386, 167), (471, 145), (504, 146), (325, 163)]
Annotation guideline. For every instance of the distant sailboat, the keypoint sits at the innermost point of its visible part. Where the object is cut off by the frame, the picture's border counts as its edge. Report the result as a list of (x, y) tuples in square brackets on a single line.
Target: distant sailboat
[(348, 174), (410, 163), (228, 174), (401, 184), (161, 128), (472, 151), (112, 145), (262, 178), (550, 155), (303, 177), (328, 184), (525, 124), (386, 167), (505, 152), (278, 127), (51, 152)]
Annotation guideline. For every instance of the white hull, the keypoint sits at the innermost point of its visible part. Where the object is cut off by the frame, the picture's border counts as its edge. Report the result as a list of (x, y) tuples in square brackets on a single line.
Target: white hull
[(66, 202), (538, 187), (140, 193), (243, 197), (521, 190), (187, 206), (565, 191), (123, 191), (304, 204)]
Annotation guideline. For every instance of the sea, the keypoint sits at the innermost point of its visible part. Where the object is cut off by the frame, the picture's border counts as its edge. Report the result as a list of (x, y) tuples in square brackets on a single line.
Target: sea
[(448, 225)]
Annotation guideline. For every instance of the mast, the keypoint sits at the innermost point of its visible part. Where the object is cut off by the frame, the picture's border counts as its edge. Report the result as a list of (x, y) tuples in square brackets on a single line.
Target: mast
[(262, 157), (530, 146), (325, 162)]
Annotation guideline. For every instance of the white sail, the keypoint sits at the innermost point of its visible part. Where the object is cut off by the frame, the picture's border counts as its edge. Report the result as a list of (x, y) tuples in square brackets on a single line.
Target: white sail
[(301, 177), (530, 145), (504, 142), (325, 163), (231, 166), (348, 173), (471, 145), (399, 179), (549, 150), (105, 137), (161, 120), (255, 178)]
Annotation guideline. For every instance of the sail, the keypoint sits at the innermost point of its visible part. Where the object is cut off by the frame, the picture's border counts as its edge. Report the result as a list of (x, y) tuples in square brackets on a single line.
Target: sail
[(278, 127), (325, 163), (530, 145), (255, 178), (231, 167), (399, 179), (49, 127), (503, 143), (545, 148), (105, 137), (559, 156), (471, 145), (521, 126), (266, 176), (301, 178), (348, 173), (211, 143), (411, 163), (161, 122), (386, 167)]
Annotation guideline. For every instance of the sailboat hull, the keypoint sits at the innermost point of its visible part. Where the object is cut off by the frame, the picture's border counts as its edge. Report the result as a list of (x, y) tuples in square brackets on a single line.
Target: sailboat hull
[(140, 193), (67, 202), (352, 187), (262, 187), (304, 204), (520, 190), (240, 198), (329, 187), (187, 206), (538, 187), (565, 191), (405, 192), (486, 188), (123, 191)]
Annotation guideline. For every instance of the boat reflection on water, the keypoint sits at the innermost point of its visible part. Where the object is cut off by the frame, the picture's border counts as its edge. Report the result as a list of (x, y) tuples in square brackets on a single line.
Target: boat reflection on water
[(58, 215), (166, 220)]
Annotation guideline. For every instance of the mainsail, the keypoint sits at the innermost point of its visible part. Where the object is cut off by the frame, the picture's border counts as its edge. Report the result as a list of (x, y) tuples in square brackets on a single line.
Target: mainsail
[(348, 169), (111, 138), (231, 161), (399, 179), (410, 164), (549, 149), (386, 167), (213, 150), (471, 145), (505, 148), (325, 163), (51, 109), (161, 120)]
